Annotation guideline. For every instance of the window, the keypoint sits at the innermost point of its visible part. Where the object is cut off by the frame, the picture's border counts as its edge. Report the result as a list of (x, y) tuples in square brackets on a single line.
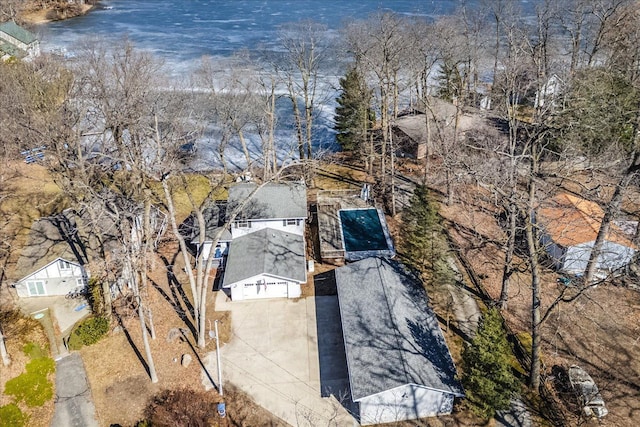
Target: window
[(80, 282), (64, 265), (286, 222), (243, 223), (36, 287)]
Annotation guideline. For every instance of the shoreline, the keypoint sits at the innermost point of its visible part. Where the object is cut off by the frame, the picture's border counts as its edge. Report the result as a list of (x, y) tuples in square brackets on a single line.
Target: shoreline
[(41, 16)]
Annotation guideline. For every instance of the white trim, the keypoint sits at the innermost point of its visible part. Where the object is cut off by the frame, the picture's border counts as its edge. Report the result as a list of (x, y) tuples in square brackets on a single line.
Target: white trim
[(410, 384)]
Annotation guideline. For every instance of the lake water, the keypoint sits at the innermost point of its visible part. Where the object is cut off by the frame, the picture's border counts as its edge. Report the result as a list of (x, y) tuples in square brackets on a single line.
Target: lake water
[(182, 31)]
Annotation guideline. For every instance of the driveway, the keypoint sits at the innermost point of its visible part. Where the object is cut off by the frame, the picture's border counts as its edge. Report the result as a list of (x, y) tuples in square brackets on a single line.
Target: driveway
[(73, 407), (273, 357)]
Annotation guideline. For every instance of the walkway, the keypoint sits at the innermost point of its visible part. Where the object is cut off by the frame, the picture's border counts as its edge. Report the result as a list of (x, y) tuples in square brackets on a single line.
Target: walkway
[(73, 404)]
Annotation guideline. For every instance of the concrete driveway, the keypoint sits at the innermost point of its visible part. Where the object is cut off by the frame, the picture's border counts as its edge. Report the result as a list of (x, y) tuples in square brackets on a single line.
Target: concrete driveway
[(273, 357)]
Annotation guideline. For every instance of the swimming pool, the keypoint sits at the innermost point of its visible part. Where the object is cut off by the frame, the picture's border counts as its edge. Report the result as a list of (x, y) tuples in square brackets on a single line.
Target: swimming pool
[(365, 234)]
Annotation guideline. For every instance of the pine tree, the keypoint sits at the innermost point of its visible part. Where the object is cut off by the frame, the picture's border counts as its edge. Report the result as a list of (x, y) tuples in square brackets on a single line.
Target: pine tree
[(488, 378), (422, 231), (354, 117)]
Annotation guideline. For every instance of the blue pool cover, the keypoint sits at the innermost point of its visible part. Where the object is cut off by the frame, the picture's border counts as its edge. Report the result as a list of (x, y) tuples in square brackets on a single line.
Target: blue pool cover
[(365, 234)]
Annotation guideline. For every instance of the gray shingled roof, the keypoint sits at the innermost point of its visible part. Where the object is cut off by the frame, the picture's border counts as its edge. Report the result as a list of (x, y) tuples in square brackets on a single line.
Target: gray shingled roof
[(51, 238), (17, 32), (214, 218), (392, 337), (266, 251), (272, 201)]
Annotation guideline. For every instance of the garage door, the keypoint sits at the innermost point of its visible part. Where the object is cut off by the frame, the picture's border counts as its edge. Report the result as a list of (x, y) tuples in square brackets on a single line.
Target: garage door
[(265, 290)]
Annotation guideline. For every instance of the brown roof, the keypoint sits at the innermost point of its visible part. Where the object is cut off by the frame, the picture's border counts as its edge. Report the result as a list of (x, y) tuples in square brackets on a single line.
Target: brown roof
[(571, 220)]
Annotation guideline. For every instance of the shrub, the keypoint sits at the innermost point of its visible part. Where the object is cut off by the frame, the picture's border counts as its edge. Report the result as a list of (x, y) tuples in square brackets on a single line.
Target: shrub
[(95, 297), (12, 416), (33, 387), (88, 332)]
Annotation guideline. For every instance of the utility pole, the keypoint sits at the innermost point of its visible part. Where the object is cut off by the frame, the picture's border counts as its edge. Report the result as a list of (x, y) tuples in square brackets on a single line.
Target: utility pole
[(215, 324)]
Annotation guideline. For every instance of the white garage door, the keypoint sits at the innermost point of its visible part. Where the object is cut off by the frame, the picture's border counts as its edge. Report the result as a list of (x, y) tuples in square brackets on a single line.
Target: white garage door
[(265, 290)]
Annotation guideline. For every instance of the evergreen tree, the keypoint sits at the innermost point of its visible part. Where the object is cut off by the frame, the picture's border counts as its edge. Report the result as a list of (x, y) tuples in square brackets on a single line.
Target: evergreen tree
[(450, 82), (354, 117), (422, 231), (488, 378)]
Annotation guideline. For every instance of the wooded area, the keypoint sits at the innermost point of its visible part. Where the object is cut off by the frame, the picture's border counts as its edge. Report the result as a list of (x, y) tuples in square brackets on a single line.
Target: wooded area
[(559, 93)]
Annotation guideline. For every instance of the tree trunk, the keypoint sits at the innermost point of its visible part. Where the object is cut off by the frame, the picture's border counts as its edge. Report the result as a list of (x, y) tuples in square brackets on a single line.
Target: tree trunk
[(176, 232), (532, 244), (508, 257), (145, 340), (612, 210), (6, 360)]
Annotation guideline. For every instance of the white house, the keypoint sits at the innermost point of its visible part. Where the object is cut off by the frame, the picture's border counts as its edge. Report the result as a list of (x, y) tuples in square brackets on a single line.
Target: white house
[(569, 228), (267, 263), (266, 255), (279, 206), (214, 217), (52, 262), (17, 42), (399, 365)]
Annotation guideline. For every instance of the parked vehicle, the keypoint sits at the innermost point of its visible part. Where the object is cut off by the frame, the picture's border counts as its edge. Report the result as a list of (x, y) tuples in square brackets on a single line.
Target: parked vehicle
[(587, 392)]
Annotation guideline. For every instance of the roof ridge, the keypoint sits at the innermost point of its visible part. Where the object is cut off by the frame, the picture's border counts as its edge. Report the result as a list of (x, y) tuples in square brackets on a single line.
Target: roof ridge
[(396, 331)]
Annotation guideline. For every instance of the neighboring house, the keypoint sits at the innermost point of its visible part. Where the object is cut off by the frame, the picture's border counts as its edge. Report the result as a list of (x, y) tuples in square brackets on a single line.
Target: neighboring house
[(549, 92), (52, 262), (399, 365), (569, 228), (17, 42), (268, 263), (410, 135), (279, 206)]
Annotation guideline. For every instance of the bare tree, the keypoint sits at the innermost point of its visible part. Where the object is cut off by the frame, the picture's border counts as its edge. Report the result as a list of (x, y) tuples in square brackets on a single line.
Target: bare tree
[(305, 55)]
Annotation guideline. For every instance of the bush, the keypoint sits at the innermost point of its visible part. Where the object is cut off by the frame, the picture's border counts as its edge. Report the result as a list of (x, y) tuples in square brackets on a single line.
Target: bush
[(33, 386), (12, 416), (95, 297), (88, 332)]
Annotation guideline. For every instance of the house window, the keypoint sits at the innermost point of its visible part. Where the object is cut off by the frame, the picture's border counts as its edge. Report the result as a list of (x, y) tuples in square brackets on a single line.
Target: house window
[(286, 222), (243, 223), (64, 265), (80, 282), (36, 287)]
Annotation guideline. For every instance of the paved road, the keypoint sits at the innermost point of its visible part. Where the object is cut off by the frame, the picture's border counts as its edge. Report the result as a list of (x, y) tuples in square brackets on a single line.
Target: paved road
[(73, 407)]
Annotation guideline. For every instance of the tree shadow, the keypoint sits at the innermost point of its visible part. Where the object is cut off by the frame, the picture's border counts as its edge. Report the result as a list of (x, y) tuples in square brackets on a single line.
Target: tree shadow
[(132, 344)]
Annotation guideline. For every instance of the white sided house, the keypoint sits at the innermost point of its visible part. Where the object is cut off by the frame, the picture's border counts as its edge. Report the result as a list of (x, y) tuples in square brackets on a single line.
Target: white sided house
[(266, 255), (399, 364), (278, 206), (570, 225), (52, 261)]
